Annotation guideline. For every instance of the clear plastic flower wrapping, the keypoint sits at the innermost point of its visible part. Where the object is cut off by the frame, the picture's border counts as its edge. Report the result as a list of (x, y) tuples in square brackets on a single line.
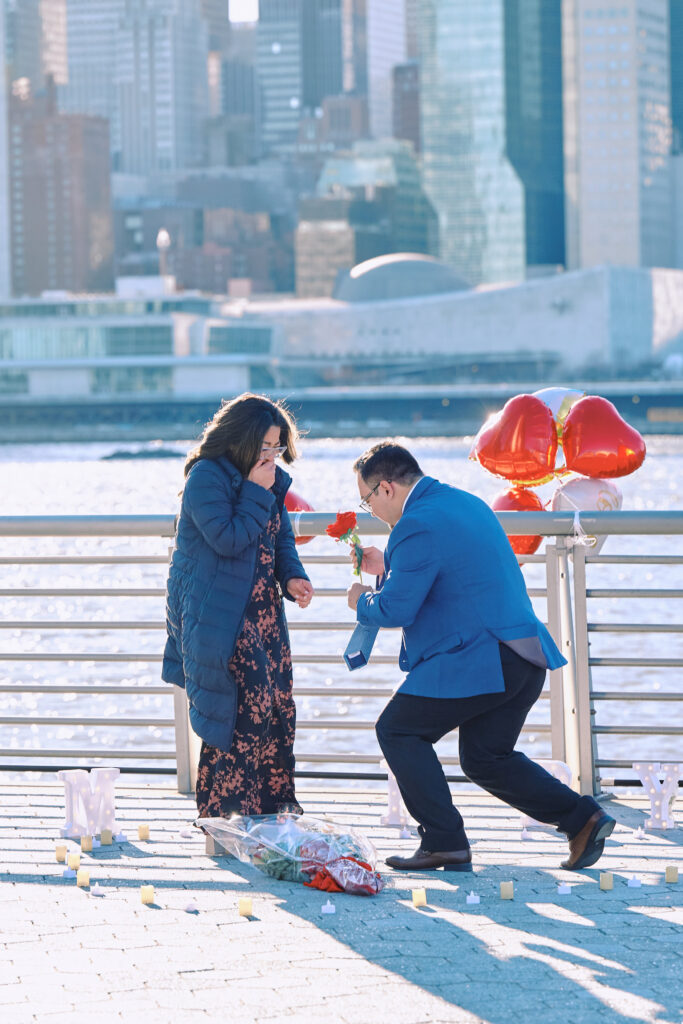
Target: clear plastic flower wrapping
[(300, 848)]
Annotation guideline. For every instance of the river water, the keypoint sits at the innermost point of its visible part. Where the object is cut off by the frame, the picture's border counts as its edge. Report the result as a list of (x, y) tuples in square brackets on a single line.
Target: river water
[(79, 480)]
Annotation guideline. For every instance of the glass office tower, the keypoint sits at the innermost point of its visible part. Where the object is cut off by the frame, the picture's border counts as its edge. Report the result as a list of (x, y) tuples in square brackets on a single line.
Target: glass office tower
[(5, 284), (491, 114), (617, 89)]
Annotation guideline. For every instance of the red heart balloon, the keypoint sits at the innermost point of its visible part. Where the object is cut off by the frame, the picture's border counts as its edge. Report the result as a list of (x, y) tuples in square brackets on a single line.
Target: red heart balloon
[(520, 443), (293, 503), (517, 499), (597, 442)]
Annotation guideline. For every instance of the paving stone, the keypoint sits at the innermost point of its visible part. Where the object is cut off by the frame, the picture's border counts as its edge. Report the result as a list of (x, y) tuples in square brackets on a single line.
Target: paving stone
[(590, 956)]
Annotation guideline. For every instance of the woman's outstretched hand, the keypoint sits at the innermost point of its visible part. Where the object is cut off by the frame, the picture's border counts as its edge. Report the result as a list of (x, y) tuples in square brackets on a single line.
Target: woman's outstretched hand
[(373, 561), (301, 590), (263, 473)]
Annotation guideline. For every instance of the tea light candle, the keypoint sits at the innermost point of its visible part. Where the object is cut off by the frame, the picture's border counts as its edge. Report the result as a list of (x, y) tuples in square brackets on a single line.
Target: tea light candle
[(74, 861), (147, 893), (244, 906), (328, 908), (86, 844), (405, 833), (564, 889), (97, 890), (525, 834), (106, 837), (606, 880), (143, 831), (121, 837), (507, 890), (83, 878), (633, 882), (60, 854), (671, 873), (472, 898), (68, 873), (419, 897), (191, 908)]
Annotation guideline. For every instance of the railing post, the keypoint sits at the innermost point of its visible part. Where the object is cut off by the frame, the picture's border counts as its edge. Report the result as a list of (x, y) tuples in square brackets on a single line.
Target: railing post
[(552, 575), (569, 689), (182, 741), (584, 701)]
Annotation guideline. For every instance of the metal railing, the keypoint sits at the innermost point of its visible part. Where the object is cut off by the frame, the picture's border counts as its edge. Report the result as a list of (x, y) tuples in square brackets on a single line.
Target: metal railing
[(51, 669)]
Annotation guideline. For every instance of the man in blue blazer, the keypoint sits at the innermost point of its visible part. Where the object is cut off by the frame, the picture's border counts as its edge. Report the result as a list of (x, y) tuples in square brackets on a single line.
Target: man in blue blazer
[(475, 656)]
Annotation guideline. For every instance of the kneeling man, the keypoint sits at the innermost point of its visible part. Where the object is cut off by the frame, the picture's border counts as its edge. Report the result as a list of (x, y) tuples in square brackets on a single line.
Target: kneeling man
[(475, 656)]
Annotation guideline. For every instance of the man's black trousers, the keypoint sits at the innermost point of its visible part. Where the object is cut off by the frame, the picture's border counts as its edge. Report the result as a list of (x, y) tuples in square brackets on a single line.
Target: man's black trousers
[(489, 726)]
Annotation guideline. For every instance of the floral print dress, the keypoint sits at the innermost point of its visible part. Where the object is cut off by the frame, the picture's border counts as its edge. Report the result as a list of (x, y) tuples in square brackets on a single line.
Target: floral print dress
[(257, 775)]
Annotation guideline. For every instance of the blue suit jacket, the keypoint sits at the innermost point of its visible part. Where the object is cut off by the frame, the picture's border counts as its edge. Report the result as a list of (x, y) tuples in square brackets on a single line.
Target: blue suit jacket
[(453, 584)]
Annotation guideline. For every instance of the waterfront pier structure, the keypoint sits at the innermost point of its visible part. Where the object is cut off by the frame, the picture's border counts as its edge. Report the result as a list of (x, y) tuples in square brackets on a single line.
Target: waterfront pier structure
[(589, 955)]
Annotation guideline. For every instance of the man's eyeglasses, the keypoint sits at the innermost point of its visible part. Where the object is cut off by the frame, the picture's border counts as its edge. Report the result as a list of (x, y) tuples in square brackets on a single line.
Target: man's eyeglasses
[(364, 503), (275, 452)]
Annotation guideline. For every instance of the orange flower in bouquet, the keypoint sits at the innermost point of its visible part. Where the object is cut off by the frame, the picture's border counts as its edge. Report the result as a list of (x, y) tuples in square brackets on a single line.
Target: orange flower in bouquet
[(345, 527)]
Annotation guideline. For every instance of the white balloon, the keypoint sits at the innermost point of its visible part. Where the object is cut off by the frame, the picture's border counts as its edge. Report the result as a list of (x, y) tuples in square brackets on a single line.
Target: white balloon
[(586, 494), (559, 400)]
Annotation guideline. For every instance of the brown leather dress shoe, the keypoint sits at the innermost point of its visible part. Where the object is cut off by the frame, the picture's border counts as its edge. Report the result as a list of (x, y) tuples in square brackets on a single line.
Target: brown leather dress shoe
[(587, 845), (425, 860)]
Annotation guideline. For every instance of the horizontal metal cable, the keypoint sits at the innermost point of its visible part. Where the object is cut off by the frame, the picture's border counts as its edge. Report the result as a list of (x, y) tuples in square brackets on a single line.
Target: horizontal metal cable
[(640, 627), (88, 688), (547, 524), (614, 763), (71, 624), (104, 656), (633, 695), (635, 559), (74, 624), (650, 592), (85, 592), (85, 560), (95, 754), (639, 730), (634, 662), (59, 719)]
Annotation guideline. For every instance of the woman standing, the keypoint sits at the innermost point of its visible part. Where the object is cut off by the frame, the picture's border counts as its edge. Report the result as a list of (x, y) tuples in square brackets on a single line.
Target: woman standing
[(228, 645)]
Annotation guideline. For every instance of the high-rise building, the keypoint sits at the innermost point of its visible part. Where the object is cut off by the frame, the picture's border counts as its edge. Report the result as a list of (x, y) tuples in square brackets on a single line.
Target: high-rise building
[(216, 14), (491, 116), (91, 28), (676, 66), (321, 51), (369, 203), (161, 86), (5, 279), (61, 221), (411, 9), (39, 41), (617, 116), (299, 63), (406, 102), (279, 65), (533, 125), (385, 34)]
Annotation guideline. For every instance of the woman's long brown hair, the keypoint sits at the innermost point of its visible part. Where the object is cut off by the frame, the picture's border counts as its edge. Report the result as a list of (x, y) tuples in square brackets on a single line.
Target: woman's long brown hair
[(237, 431)]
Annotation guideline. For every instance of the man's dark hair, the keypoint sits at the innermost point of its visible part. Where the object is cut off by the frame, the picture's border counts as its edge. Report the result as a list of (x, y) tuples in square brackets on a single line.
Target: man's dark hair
[(390, 462)]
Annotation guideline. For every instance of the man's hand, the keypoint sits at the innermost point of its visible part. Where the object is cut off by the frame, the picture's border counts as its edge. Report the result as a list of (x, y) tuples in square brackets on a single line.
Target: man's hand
[(301, 590), (354, 592), (373, 561)]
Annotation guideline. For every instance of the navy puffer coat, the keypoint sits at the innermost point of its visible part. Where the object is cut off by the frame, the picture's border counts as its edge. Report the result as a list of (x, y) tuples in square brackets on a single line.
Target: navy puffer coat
[(210, 582)]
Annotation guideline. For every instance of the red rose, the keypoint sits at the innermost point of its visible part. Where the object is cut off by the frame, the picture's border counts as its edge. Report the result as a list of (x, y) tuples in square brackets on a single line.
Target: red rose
[(344, 523)]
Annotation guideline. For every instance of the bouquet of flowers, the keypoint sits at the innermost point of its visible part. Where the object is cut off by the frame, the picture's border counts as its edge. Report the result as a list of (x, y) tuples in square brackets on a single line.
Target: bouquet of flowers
[(300, 849), (345, 527)]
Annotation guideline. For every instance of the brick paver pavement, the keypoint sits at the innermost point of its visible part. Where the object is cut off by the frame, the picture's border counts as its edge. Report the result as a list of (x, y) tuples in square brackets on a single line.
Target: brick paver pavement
[(589, 957)]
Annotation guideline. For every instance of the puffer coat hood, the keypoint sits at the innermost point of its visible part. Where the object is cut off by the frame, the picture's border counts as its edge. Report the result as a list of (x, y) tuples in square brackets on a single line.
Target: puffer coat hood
[(209, 585)]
